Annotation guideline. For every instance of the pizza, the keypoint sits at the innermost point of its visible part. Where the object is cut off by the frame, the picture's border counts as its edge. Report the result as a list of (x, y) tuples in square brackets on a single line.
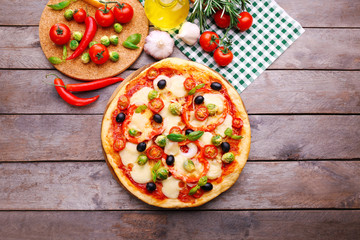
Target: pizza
[(176, 134)]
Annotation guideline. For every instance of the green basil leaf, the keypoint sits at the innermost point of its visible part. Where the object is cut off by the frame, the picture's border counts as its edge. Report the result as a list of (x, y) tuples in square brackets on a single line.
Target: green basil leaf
[(237, 137), (134, 38), (60, 5), (228, 132), (202, 181), (193, 136), (192, 91), (129, 45), (140, 108), (194, 190), (153, 175), (55, 60), (156, 166), (175, 137)]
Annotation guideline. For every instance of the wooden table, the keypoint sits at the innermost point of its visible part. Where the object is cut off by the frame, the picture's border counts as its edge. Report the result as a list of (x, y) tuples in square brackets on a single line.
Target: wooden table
[(302, 180)]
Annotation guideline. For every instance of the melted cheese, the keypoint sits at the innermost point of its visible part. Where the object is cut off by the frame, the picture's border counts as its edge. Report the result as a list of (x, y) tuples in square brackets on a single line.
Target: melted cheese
[(215, 170), (162, 77), (216, 99), (141, 96), (222, 127), (141, 174), (171, 187), (177, 86), (171, 148), (129, 154), (206, 138), (170, 120), (141, 122)]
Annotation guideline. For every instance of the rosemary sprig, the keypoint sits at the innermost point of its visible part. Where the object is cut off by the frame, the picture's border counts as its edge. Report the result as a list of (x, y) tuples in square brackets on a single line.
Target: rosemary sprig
[(204, 9)]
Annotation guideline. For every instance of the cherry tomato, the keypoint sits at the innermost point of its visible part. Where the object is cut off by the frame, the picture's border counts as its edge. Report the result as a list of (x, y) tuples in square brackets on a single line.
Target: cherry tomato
[(123, 102), (175, 130), (119, 144), (152, 73), (60, 34), (189, 83), (210, 151), (221, 58), (156, 105), (104, 18), (222, 20), (123, 12), (201, 113), (154, 152), (237, 123), (79, 15), (208, 41), (99, 54), (245, 21)]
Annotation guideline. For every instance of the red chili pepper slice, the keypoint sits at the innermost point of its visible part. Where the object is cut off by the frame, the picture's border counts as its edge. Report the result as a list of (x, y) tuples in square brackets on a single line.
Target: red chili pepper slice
[(201, 113), (152, 73), (237, 123), (189, 83), (89, 34), (210, 151), (89, 86), (71, 98), (156, 105), (123, 102), (175, 130), (154, 152), (119, 144)]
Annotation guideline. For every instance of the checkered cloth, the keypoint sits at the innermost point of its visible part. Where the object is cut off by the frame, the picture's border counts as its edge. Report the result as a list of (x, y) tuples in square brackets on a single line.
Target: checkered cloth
[(272, 32)]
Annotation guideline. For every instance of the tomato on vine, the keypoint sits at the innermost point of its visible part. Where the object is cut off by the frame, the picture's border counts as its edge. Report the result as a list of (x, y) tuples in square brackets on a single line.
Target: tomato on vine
[(222, 20), (209, 41), (99, 54), (245, 21), (123, 12), (223, 56), (104, 16), (60, 34)]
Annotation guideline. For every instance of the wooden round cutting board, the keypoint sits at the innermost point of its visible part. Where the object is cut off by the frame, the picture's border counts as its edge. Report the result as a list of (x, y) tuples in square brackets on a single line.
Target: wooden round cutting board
[(75, 68)]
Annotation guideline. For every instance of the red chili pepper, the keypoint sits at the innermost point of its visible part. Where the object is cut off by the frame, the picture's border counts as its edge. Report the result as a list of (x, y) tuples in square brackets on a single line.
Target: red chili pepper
[(89, 34), (89, 86), (71, 98)]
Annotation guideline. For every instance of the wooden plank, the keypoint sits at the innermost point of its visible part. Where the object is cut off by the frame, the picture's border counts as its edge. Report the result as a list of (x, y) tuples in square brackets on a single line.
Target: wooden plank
[(281, 137), (276, 92), (345, 14), (329, 225), (316, 49), (262, 185)]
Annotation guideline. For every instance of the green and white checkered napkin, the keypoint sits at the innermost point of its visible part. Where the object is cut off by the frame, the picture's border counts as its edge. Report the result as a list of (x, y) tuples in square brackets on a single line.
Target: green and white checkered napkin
[(272, 32)]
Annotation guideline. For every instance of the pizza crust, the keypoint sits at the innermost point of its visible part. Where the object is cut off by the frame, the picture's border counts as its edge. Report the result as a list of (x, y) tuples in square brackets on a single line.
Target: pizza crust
[(228, 180)]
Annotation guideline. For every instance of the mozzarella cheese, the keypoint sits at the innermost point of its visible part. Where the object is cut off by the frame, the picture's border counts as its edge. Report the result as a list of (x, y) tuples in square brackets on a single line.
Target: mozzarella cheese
[(222, 127), (171, 187), (129, 154), (141, 174), (215, 170), (171, 148), (141, 122), (177, 86), (216, 99), (169, 119), (206, 138), (162, 77), (141, 96), (179, 165)]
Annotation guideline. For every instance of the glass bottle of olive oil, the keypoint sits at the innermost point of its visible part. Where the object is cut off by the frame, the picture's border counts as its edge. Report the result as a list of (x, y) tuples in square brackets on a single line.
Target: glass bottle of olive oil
[(166, 14)]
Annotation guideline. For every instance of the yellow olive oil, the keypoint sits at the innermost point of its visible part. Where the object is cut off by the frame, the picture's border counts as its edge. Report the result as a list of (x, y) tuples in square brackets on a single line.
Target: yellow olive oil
[(166, 14)]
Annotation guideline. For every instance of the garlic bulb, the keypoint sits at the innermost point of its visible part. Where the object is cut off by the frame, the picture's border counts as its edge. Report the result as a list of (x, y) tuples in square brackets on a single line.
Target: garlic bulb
[(189, 33), (159, 44)]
